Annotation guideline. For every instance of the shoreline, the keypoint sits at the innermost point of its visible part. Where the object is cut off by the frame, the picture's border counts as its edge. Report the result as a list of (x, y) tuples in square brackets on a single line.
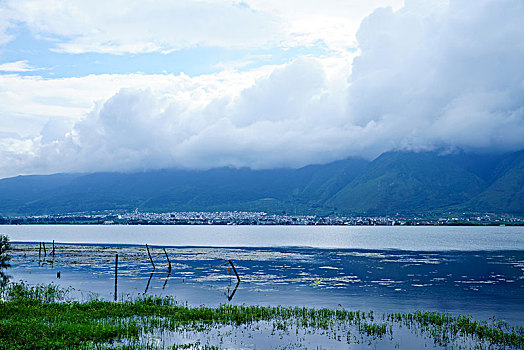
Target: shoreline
[(460, 224)]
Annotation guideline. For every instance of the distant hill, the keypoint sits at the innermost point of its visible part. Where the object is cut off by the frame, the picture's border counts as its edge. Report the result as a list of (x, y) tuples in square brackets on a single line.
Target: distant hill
[(506, 193), (404, 182), (408, 182), (278, 190)]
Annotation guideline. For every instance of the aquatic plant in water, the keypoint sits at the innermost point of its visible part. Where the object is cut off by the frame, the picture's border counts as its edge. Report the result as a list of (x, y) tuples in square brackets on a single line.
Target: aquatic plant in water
[(42, 317)]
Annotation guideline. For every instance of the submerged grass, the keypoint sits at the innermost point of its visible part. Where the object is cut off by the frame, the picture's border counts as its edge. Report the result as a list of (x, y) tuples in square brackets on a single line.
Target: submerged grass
[(41, 317)]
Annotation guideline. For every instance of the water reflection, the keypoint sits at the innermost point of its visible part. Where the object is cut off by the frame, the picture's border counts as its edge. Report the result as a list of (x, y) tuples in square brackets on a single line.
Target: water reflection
[(232, 294), (167, 278), (149, 281)]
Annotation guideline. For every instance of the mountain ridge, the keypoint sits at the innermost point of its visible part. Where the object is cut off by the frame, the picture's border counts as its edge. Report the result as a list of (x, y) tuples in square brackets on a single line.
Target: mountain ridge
[(394, 182)]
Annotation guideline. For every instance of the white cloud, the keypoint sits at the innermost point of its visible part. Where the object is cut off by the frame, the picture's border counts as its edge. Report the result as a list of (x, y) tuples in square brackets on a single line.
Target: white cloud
[(5, 24), (331, 22), (134, 26), (27, 103), (18, 66), (260, 119), (435, 74), (429, 75)]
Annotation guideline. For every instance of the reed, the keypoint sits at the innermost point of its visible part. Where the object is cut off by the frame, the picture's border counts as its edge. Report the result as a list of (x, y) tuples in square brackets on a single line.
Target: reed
[(43, 317)]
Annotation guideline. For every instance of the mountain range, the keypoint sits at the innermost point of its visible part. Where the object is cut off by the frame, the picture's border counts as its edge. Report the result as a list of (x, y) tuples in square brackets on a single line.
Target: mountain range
[(394, 182)]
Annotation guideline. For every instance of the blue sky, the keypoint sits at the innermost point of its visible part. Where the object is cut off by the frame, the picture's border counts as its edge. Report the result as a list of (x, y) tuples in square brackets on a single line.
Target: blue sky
[(127, 85), (73, 39), (42, 59)]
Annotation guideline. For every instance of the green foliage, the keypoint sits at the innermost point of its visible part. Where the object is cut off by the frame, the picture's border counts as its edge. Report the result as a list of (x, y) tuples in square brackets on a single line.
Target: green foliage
[(22, 292), (5, 247), (40, 317)]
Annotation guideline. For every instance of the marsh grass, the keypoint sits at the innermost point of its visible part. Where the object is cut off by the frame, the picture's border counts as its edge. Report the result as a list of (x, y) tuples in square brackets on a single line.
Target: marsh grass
[(43, 317)]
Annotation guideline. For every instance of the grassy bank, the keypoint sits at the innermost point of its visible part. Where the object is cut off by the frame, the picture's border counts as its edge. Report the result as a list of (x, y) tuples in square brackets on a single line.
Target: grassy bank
[(39, 317)]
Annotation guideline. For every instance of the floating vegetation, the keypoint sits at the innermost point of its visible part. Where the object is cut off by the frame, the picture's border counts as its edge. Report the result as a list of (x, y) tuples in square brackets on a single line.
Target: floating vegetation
[(392, 273), (44, 317)]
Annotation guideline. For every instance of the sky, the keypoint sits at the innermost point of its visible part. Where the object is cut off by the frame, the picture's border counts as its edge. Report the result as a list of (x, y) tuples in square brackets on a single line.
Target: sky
[(125, 85)]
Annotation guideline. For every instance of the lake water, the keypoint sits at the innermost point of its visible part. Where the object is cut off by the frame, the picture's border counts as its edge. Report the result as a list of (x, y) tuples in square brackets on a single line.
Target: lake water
[(413, 238), (462, 270)]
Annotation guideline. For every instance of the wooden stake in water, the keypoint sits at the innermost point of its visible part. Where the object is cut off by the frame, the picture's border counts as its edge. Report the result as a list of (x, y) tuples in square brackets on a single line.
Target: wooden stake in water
[(53, 248), (40, 251), (234, 270), (116, 274), (148, 253), (168, 261), (45, 252)]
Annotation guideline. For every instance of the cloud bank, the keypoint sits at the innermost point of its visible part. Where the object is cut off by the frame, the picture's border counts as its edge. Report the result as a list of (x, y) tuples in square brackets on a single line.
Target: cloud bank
[(433, 74)]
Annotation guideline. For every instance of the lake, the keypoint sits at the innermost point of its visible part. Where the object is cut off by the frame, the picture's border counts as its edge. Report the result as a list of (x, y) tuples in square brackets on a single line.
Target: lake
[(462, 270), (414, 238)]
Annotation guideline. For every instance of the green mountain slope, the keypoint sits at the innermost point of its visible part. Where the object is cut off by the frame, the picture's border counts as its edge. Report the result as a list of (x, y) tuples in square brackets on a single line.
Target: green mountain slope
[(404, 182), (506, 194), (169, 190), (408, 182)]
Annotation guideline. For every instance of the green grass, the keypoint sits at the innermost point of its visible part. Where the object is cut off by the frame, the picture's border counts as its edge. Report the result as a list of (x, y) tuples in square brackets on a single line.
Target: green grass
[(41, 317)]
